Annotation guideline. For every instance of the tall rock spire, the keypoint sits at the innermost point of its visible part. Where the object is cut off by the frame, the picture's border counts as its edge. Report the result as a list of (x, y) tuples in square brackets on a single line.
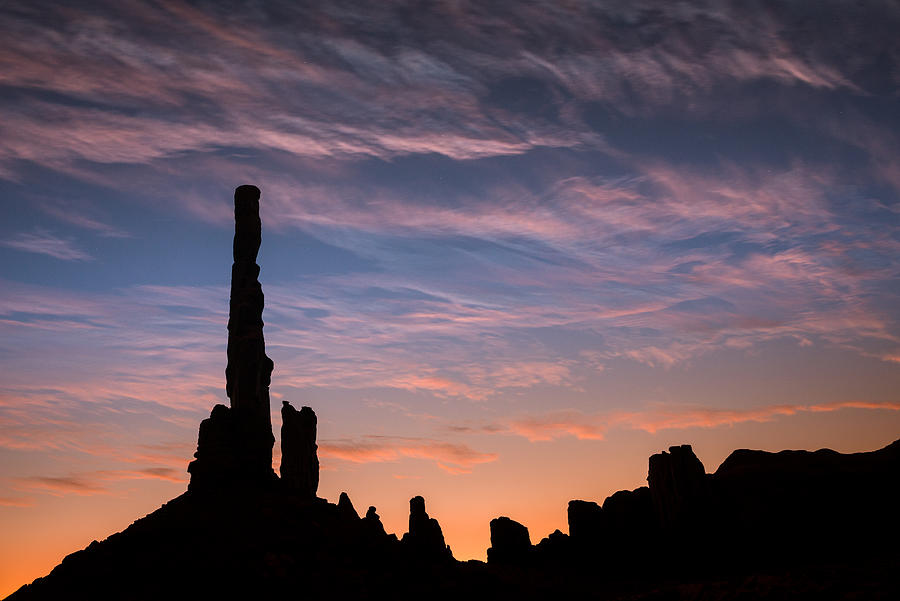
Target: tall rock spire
[(235, 445), (249, 370)]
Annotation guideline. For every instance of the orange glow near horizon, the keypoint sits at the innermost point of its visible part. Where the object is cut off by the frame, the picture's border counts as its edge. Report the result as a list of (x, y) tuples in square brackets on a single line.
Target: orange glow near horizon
[(525, 483), (509, 250)]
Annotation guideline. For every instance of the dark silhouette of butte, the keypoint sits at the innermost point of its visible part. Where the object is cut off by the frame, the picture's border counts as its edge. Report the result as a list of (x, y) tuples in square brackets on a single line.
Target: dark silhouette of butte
[(794, 524)]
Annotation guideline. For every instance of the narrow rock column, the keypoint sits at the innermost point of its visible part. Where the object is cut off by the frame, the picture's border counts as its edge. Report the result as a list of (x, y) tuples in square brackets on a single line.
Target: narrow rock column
[(299, 461), (235, 445), (249, 370), (425, 540)]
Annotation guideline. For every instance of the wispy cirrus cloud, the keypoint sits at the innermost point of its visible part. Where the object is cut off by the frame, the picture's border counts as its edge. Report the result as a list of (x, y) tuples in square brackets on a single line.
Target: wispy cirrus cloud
[(95, 483), (43, 242), (655, 234), (453, 458), (593, 426), (76, 215), (371, 86), (62, 485), (16, 501)]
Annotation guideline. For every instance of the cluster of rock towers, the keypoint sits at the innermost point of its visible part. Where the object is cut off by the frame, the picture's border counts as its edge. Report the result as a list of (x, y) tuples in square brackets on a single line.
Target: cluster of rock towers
[(753, 498), (242, 532), (234, 447)]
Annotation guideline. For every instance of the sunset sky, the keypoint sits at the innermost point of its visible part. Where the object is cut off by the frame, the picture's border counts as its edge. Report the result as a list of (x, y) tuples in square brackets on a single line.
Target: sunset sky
[(510, 248)]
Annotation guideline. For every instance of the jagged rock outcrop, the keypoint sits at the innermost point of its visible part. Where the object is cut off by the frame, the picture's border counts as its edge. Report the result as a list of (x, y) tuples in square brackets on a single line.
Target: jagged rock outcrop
[(555, 546), (299, 461), (372, 523), (510, 542), (425, 540), (234, 447), (618, 528), (345, 507), (585, 521), (678, 486), (194, 549), (216, 455), (628, 514), (831, 515)]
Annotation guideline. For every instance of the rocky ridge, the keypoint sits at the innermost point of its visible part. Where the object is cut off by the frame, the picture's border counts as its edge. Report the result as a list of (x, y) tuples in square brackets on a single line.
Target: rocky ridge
[(794, 521)]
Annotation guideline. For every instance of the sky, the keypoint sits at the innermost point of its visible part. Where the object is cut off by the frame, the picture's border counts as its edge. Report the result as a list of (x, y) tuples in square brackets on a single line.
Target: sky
[(510, 249)]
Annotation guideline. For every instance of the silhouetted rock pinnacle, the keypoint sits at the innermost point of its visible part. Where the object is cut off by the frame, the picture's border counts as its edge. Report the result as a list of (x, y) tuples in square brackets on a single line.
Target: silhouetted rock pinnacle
[(299, 462), (235, 445), (345, 507), (372, 522), (249, 370), (425, 540), (510, 542)]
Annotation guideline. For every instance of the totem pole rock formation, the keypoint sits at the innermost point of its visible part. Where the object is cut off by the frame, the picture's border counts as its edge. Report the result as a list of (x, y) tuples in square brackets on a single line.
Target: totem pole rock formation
[(249, 370), (235, 444), (299, 462)]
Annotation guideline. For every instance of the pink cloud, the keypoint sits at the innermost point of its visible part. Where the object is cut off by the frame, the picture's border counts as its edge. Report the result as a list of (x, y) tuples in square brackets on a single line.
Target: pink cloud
[(454, 470), (43, 242), (154, 473), (593, 426), (62, 485), (556, 424), (16, 502), (96, 482), (452, 458), (76, 215)]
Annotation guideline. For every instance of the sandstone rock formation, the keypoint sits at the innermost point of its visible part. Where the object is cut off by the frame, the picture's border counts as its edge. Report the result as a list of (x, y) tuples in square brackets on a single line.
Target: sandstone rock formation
[(830, 514), (235, 445), (425, 540), (585, 521), (510, 542), (299, 461), (678, 486), (629, 514), (345, 507), (372, 523), (554, 547)]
